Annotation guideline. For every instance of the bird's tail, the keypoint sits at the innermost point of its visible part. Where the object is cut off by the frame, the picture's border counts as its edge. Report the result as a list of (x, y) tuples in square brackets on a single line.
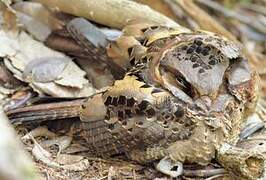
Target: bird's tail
[(44, 112)]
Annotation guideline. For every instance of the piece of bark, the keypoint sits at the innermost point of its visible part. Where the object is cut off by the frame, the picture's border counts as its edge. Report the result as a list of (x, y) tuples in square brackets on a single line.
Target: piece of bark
[(14, 162), (113, 13)]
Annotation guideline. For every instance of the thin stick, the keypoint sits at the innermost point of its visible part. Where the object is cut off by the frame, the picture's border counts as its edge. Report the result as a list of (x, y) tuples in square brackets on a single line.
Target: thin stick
[(113, 13), (215, 177), (204, 172), (249, 20), (205, 21)]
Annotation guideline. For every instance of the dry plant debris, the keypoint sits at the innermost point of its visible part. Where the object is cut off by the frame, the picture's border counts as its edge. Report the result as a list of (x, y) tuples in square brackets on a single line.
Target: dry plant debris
[(39, 58)]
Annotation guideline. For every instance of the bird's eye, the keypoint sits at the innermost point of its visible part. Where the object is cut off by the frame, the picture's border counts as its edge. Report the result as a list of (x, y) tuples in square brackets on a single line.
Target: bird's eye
[(181, 81), (185, 86)]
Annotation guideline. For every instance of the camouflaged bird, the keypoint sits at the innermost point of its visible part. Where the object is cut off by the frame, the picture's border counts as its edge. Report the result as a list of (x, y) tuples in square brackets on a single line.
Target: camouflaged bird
[(184, 94)]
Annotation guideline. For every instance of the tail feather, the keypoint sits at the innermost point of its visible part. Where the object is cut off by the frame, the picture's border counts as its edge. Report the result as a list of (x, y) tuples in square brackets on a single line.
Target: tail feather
[(45, 112)]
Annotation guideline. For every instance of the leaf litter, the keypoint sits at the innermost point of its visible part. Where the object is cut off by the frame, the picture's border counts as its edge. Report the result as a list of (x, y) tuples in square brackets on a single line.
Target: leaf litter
[(30, 61)]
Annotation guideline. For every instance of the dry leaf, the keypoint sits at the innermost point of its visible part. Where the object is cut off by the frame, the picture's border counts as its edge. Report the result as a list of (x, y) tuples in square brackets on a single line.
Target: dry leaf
[(20, 50), (45, 69)]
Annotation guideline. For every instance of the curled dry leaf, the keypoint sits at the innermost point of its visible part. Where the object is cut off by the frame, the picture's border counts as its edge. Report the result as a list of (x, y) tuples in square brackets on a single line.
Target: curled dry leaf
[(19, 52)]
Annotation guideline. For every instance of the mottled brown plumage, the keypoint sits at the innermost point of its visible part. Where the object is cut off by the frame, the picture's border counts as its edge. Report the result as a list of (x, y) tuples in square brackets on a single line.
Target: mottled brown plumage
[(184, 95)]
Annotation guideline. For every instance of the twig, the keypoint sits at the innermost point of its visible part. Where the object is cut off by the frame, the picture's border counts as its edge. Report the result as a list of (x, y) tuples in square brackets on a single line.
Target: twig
[(255, 8), (180, 14), (204, 172), (253, 139), (215, 177), (236, 15), (113, 13), (205, 21)]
